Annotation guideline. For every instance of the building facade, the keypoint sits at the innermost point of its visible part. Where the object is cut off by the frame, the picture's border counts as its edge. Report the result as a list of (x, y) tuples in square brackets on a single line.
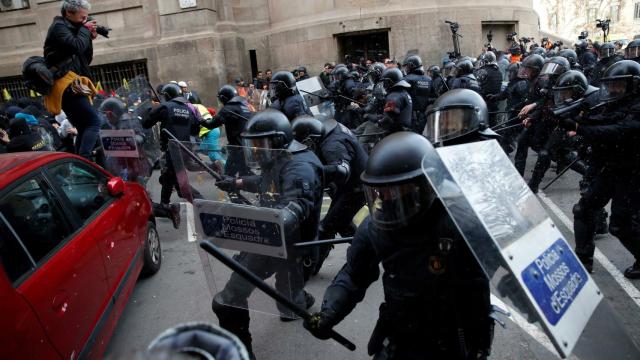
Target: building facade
[(569, 18), (211, 42)]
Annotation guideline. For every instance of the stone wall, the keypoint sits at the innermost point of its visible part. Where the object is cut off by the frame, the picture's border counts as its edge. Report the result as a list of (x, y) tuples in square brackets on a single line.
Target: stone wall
[(209, 44)]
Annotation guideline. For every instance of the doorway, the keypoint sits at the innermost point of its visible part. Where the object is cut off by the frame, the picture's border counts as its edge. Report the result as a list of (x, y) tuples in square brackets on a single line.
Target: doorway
[(372, 44)]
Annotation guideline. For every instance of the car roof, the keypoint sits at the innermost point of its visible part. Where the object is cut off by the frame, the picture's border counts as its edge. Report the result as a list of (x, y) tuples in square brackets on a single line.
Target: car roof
[(16, 165)]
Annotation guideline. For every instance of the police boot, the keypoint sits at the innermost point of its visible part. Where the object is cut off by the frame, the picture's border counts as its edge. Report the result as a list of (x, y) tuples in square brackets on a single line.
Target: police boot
[(601, 223), (633, 272), (587, 262), (534, 182), (236, 321), (174, 214)]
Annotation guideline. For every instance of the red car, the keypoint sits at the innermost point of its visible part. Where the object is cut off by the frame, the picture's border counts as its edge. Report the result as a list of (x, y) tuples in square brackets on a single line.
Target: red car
[(73, 241)]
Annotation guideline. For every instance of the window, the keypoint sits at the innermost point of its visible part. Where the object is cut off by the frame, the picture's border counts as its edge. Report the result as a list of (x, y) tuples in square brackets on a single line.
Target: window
[(636, 11), (35, 217), (592, 15), (10, 5), (615, 13), (13, 256), (85, 188)]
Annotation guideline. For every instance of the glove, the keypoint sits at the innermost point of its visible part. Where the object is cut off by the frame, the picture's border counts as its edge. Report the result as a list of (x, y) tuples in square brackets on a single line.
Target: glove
[(319, 326), (227, 184), (568, 124)]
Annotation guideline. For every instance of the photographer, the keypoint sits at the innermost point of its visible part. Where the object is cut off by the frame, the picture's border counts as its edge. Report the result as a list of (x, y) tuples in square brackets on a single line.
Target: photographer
[(68, 50)]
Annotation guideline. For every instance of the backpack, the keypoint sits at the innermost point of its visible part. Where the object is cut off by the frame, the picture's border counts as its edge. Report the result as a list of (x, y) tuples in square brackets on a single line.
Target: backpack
[(37, 75)]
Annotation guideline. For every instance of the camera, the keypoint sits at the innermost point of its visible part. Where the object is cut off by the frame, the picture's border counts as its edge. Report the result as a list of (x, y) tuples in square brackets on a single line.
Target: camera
[(454, 26), (525, 40), (603, 24), (583, 35), (100, 29), (512, 36)]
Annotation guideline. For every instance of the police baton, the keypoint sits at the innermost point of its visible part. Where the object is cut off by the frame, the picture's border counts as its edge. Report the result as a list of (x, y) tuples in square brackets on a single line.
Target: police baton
[(339, 95), (195, 157), (336, 241), (507, 127), (153, 91), (271, 292), (444, 81), (561, 173), (503, 123)]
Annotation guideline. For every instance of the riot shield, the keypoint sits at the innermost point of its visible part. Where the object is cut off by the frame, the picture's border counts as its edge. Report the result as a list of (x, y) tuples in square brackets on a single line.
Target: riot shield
[(249, 224), (123, 155), (525, 256), (316, 96)]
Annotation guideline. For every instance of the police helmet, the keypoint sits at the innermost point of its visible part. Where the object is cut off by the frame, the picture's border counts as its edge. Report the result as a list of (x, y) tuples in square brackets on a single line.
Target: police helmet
[(171, 91), (433, 70), (620, 81), (376, 72), (552, 68), (340, 73), (282, 84), (397, 190), (413, 63), (581, 45), (512, 70), (113, 108), (488, 58), (392, 77), (226, 93), (531, 67), (307, 130), (569, 55), (464, 67), (448, 68), (268, 129), (632, 52), (456, 113), (606, 50), (570, 86), (302, 69)]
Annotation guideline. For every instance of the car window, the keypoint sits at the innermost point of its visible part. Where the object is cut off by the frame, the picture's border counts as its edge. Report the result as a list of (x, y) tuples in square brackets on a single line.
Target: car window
[(86, 188), (13, 256), (35, 217)]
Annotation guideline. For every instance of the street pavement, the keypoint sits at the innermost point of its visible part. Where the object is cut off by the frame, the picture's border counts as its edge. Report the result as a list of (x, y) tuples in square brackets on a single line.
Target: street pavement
[(179, 293)]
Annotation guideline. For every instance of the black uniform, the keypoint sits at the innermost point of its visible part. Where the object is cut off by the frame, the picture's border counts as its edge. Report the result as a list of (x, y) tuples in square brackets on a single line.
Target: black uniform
[(515, 94), (429, 274), (233, 116), (372, 113), (587, 61), (297, 180), (490, 81), (466, 81), (345, 159), (179, 119), (398, 110), (292, 106), (600, 67), (615, 139), (347, 89), (421, 92)]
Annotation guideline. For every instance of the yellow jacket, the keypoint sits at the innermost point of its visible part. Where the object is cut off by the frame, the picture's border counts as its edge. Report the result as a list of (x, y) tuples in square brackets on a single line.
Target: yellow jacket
[(53, 101)]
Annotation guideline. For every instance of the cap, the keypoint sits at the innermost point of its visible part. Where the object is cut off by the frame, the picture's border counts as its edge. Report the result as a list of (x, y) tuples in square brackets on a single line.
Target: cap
[(182, 84)]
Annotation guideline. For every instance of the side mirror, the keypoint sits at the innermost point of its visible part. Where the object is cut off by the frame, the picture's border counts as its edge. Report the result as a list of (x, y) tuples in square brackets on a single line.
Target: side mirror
[(116, 186)]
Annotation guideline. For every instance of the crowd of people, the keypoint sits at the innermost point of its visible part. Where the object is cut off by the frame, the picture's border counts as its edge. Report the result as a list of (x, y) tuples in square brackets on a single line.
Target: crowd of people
[(576, 107)]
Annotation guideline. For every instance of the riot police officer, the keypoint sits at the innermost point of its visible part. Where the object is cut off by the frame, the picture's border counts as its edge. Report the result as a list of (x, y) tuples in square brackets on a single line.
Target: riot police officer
[(515, 94), (615, 134), (459, 116), (343, 90), (234, 115), (439, 86), (421, 90), (632, 51), (398, 108), (572, 57), (343, 158), (118, 118), (490, 80), (607, 57), (434, 288), (464, 78), (178, 118), (282, 88), (295, 175), (586, 58)]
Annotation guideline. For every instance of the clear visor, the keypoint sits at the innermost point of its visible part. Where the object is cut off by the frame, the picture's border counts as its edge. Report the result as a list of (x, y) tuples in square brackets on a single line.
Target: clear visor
[(258, 151), (394, 206), (562, 96), (632, 53), (551, 69), (613, 89), (447, 71), (450, 123), (605, 53), (527, 72), (273, 90)]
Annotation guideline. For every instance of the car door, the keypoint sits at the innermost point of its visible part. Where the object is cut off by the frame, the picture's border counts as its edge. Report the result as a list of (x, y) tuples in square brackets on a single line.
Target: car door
[(112, 223), (67, 289)]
